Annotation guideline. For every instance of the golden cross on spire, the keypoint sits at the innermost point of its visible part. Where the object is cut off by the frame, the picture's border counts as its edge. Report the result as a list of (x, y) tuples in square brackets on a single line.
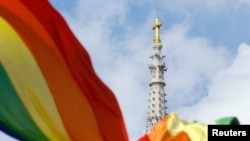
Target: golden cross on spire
[(157, 27)]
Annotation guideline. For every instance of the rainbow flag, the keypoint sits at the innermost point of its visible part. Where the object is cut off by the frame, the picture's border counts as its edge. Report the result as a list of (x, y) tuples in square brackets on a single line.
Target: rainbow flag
[(171, 128), (49, 90)]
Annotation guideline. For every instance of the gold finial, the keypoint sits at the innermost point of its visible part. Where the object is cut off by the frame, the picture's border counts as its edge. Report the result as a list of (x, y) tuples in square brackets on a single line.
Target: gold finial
[(157, 27)]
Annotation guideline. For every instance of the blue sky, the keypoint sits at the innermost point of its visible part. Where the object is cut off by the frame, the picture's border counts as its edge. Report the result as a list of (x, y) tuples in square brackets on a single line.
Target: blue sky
[(207, 43)]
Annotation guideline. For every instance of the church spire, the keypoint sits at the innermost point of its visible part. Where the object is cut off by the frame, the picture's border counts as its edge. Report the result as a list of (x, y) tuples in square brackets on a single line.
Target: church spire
[(157, 100)]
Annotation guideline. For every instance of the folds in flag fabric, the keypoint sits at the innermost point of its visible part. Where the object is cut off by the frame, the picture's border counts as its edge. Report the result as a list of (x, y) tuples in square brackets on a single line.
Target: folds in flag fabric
[(48, 88), (171, 128)]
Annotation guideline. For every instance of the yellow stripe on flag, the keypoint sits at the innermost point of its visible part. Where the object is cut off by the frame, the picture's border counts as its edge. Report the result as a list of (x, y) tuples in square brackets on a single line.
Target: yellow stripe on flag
[(30, 83), (172, 128), (195, 131)]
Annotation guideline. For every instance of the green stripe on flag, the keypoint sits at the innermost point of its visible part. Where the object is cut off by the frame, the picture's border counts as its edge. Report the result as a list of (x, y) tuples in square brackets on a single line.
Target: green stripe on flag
[(14, 119), (228, 121)]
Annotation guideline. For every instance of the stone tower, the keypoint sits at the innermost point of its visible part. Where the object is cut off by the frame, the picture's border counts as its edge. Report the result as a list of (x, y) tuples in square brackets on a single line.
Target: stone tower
[(157, 100)]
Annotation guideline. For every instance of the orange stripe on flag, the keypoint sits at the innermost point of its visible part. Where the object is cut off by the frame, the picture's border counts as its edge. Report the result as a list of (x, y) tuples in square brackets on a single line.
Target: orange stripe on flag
[(87, 107)]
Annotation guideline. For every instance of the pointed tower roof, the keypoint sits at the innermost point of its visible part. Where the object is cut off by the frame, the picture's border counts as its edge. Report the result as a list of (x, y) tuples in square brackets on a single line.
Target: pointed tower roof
[(157, 100)]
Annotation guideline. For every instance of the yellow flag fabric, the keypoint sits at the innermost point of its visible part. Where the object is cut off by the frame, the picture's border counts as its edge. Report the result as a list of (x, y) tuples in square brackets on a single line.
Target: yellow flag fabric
[(171, 128), (49, 90)]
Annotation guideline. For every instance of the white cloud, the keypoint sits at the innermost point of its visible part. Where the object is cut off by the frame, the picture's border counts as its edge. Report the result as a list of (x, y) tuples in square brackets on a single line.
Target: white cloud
[(4, 137), (100, 11), (228, 93), (121, 63), (192, 62)]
